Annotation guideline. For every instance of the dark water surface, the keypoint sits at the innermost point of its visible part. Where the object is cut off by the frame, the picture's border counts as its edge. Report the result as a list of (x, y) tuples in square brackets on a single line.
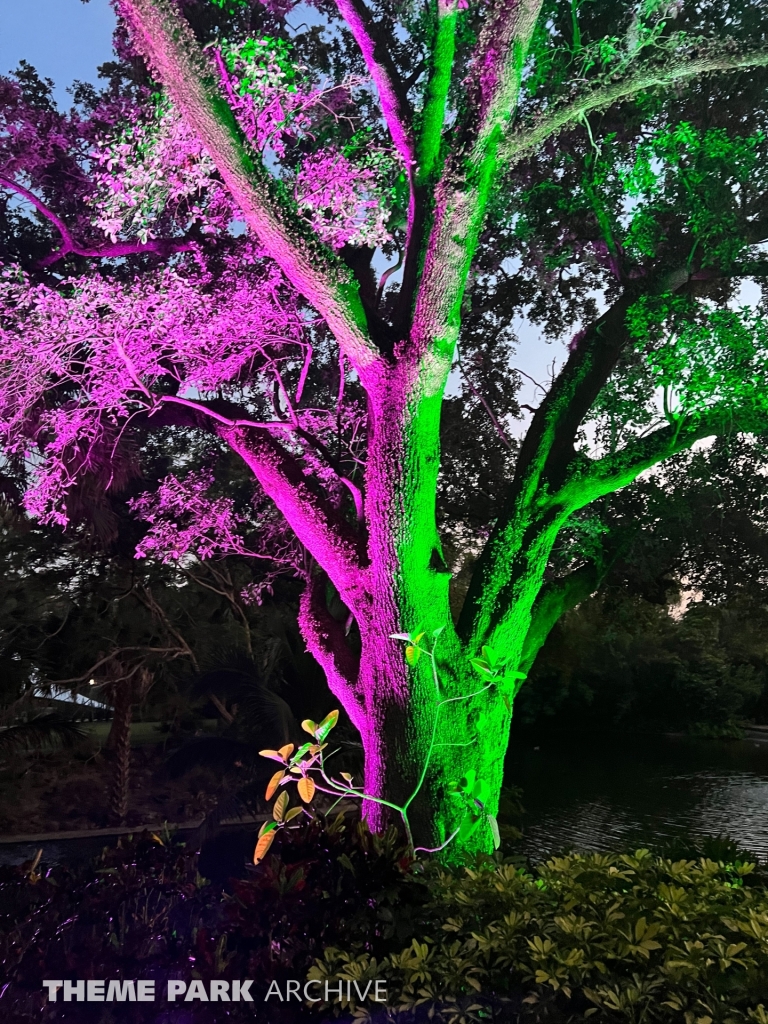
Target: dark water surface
[(596, 793), (608, 793)]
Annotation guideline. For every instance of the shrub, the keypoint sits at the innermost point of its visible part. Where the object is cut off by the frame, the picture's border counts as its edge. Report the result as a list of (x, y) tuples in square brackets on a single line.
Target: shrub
[(611, 937), (142, 910), (614, 939)]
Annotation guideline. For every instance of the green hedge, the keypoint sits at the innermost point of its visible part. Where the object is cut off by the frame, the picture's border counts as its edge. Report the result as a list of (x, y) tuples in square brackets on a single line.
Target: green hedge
[(596, 937)]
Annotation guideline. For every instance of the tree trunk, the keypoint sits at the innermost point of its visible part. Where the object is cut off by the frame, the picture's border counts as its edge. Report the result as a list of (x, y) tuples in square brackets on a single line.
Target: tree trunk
[(420, 749), (119, 743), (421, 735), (127, 689)]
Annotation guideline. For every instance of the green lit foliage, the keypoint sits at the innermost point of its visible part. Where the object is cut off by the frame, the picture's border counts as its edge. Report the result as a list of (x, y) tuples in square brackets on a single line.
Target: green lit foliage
[(261, 64), (617, 937), (689, 356), (692, 174)]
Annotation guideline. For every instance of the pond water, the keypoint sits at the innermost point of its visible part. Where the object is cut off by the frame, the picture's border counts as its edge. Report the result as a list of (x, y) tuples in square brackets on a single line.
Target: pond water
[(595, 793), (603, 794)]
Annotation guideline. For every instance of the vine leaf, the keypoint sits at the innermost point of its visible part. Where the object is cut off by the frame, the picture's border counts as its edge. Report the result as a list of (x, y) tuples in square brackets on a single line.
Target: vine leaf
[(278, 811), (326, 725), (306, 789), (274, 782), (275, 755), (412, 654), (495, 831), (263, 845)]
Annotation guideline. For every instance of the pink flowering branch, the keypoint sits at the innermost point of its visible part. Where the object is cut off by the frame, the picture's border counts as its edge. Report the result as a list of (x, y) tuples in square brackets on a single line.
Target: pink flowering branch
[(157, 246), (165, 38)]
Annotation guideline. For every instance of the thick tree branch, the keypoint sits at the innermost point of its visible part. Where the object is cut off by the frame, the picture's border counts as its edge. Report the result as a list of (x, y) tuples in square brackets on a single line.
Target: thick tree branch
[(461, 196), (545, 455), (156, 246), (318, 525), (526, 139), (604, 476), (327, 643), (436, 93), (428, 146), (558, 596), (167, 41), (392, 95), (336, 546)]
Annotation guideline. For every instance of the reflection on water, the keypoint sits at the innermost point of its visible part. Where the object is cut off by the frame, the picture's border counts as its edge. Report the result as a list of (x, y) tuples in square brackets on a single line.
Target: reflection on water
[(598, 794), (590, 794)]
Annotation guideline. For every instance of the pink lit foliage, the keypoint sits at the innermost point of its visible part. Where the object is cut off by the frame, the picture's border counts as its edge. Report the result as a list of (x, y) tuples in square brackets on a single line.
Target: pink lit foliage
[(344, 195), (187, 522), (146, 349)]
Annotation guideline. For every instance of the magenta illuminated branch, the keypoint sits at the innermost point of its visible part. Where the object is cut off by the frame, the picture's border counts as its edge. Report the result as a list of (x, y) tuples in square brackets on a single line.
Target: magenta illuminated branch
[(227, 421), (327, 643), (316, 523), (394, 103), (168, 42), (157, 246)]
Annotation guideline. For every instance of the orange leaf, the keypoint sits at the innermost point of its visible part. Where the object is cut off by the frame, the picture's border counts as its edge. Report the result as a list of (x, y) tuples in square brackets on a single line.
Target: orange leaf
[(274, 754), (280, 804), (274, 782), (306, 789), (309, 726), (263, 845), (286, 751)]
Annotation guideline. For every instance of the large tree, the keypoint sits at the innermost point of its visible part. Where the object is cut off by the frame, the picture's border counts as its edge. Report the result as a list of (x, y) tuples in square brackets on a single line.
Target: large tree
[(221, 227)]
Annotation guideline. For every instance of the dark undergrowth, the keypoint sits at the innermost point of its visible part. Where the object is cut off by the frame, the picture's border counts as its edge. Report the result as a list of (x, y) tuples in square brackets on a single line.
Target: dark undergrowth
[(625, 938)]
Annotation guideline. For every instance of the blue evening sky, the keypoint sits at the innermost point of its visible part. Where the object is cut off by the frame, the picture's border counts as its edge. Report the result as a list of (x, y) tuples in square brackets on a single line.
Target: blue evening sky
[(64, 39)]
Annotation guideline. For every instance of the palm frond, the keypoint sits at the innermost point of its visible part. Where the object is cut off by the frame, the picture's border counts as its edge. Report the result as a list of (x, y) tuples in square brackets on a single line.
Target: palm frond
[(49, 731)]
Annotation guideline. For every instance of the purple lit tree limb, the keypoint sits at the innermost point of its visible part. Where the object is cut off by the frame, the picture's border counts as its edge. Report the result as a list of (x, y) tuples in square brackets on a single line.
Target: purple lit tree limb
[(170, 46), (163, 247), (392, 95)]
